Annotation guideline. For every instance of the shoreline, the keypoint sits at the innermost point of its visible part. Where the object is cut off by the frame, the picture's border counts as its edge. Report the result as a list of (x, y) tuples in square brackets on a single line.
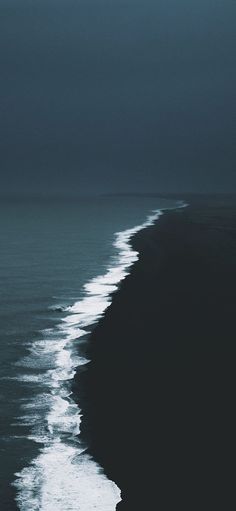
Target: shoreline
[(59, 437), (143, 365)]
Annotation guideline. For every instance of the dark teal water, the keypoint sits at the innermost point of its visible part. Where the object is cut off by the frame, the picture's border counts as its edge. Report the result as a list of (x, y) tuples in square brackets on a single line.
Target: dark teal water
[(49, 250)]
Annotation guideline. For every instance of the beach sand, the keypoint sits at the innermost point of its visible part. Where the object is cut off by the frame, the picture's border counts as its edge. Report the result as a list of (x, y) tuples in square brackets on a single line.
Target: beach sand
[(159, 394)]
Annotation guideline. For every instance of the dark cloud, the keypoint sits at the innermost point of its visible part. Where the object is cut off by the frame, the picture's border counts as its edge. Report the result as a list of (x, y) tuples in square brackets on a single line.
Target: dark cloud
[(117, 95)]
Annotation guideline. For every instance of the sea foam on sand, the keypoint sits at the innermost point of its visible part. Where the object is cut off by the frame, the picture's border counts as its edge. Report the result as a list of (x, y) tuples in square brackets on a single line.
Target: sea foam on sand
[(63, 477)]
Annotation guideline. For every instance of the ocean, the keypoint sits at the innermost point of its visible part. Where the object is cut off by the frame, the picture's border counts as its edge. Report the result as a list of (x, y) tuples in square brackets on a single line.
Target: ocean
[(60, 262)]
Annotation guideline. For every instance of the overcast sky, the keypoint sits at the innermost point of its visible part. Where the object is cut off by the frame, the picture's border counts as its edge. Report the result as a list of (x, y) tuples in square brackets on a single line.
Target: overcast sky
[(117, 95)]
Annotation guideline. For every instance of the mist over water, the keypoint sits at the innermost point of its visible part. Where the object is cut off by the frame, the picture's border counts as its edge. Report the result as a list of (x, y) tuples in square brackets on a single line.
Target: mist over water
[(61, 261), (104, 95)]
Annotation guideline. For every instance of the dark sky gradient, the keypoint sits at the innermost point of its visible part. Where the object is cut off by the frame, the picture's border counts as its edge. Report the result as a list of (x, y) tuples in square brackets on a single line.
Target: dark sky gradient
[(117, 95)]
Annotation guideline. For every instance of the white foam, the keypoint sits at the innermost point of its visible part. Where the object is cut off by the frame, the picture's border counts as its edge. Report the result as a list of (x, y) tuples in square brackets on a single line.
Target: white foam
[(62, 476)]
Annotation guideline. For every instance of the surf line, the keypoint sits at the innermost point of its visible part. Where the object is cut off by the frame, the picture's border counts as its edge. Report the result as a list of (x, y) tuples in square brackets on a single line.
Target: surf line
[(63, 475)]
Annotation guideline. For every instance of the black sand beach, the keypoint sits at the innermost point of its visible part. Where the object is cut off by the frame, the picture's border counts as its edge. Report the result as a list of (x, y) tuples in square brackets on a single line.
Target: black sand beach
[(159, 393)]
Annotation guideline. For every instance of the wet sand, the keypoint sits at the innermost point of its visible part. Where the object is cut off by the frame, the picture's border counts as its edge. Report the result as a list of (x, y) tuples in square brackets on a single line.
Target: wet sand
[(159, 394)]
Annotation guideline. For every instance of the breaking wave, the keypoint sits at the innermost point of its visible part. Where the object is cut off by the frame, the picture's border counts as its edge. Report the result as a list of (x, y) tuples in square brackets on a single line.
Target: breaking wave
[(63, 476)]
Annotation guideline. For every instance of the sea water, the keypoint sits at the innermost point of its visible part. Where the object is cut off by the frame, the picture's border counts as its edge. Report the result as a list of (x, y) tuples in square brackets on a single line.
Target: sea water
[(61, 260)]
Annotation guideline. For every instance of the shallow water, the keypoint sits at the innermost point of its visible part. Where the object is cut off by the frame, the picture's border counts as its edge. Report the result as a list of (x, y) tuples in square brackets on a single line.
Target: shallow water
[(60, 262)]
